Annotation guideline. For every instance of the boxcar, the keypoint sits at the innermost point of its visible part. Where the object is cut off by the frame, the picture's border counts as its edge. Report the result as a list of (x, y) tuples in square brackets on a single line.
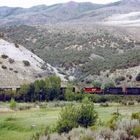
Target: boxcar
[(113, 90), (133, 91)]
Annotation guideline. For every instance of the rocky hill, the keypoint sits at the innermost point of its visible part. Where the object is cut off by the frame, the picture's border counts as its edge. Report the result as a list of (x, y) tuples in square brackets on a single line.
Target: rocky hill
[(18, 65)]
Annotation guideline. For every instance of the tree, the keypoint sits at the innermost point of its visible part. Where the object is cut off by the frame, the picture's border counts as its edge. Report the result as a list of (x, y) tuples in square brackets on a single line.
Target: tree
[(40, 89), (53, 84), (69, 92), (96, 84), (24, 90), (109, 84)]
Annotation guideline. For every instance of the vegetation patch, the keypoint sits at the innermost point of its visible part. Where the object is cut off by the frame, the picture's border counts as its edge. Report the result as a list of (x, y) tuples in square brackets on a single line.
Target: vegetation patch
[(71, 117), (4, 56), (3, 67), (26, 63), (138, 77), (11, 60), (16, 45)]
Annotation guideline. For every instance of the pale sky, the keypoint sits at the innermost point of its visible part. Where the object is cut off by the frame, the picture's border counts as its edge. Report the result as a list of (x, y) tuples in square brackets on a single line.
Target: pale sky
[(29, 3)]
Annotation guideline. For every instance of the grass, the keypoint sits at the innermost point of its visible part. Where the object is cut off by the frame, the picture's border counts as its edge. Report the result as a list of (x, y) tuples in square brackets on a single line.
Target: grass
[(105, 112), (21, 125)]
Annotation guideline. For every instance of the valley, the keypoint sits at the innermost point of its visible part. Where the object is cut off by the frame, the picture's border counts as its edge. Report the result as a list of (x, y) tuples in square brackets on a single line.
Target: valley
[(70, 71)]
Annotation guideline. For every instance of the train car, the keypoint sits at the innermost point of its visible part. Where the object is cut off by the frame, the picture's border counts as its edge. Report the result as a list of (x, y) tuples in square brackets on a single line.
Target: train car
[(132, 91), (92, 90), (113, 90)]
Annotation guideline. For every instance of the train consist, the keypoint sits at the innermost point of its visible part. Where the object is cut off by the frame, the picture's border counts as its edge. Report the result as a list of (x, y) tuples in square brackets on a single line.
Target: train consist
[(113, 90)]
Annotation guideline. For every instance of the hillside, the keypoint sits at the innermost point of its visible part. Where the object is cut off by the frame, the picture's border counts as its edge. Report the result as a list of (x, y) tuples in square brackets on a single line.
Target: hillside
[(44, 14), (84, 41), (70, 12), (80, 53), (18, 65)]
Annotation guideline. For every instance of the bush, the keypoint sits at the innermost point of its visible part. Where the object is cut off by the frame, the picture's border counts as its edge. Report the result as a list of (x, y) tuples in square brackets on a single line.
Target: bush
[(73, 96), (104, 104), (11, 60), (11, 69), (121, 135), (71, 117), (96, 84), (119, 79), (3, 67), (4, 56), (131, 103), (1, 35), (136, 131), (136, 116), (15, 71), (105, 134), (112, 122), (67, 120), (26, 63), (16, 45), (127, 125), (13, 104), (138, 77), (124, 130), (87, 116), (109, 84)]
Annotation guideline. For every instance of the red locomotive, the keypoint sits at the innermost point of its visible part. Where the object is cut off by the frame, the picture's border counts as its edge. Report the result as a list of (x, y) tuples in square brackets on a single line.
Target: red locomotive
[(92, 90)]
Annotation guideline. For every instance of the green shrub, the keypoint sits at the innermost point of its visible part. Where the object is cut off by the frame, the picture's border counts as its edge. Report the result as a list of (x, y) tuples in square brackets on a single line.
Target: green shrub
[(67, 120), (74, 96), (10, 119), (131, 103), (3, 67), (96, 84), (11, 69), (112, 122), (15, 71), (4, 56), (87, 116), (136, 116), (104, 104), (136, 131), (16, 45), (13, 104), (11, 60), (26, 63), (70, 117), (109, 84)]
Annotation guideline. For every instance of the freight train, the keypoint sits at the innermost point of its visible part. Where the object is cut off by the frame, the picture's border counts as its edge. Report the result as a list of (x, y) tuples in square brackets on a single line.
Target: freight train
[(112, 90)]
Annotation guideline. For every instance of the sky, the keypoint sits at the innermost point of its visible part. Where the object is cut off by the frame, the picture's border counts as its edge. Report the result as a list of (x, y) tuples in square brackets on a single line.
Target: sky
[(30, 3)]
